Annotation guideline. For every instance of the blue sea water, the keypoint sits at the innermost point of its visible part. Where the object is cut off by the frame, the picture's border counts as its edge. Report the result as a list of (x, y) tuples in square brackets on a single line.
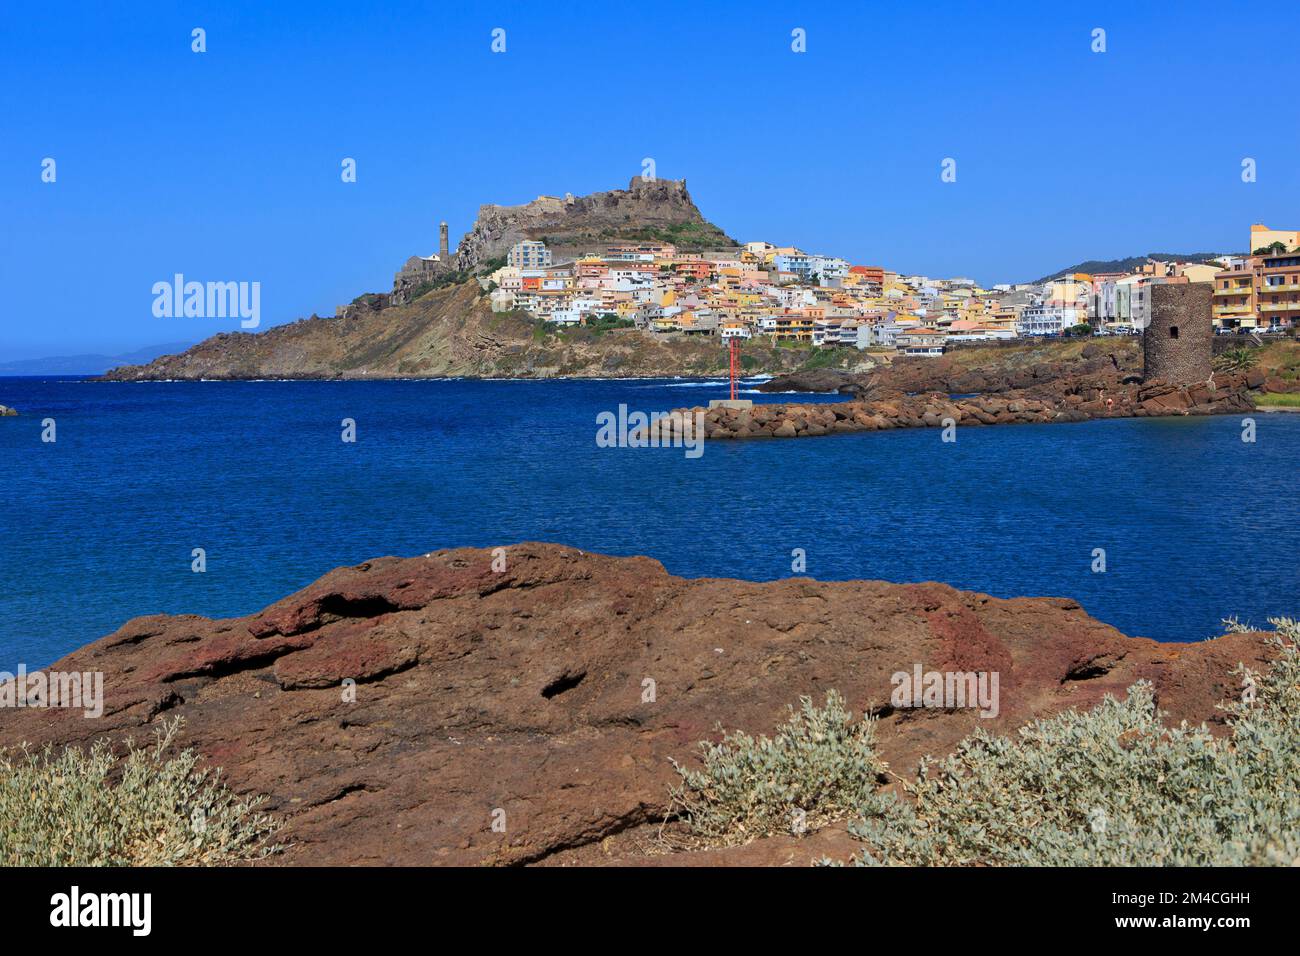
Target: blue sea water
[(99, 526)]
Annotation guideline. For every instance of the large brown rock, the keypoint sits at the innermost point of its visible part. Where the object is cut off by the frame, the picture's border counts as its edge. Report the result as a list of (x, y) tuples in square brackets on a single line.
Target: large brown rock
[(811, 380), (527, 690)]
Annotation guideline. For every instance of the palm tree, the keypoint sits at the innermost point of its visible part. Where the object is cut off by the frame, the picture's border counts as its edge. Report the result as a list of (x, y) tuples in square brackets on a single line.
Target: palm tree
[(1236, 360)]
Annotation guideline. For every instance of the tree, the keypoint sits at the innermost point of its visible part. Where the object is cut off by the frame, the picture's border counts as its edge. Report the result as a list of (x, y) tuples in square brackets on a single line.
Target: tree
[(1272, 249)]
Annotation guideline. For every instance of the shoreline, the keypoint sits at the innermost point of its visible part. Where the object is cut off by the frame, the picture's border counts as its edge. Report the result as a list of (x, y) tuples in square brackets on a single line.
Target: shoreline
[(1074, 401), (397, 627)]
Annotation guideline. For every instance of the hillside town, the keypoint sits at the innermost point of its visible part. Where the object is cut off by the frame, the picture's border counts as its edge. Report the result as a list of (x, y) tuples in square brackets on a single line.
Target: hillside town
[(794, 297)]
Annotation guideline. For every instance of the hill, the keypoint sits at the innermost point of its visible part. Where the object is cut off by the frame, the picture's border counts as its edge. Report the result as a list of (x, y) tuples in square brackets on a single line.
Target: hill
[(437, 321), (657, 210), (449, 331), (1129, 264)]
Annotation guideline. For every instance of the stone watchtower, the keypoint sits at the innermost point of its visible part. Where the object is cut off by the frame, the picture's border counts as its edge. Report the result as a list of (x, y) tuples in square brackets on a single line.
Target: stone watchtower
[(442, 241), (1178, 344)]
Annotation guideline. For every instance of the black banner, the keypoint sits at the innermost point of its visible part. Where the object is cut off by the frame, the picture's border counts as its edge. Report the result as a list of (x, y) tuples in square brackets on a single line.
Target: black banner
[(330, 906)]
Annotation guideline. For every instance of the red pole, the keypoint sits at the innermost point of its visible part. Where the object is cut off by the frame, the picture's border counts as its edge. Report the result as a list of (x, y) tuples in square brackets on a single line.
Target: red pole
[(732, 348)]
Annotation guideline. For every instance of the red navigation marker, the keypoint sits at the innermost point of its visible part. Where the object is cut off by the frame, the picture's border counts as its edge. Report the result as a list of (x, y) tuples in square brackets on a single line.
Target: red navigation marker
[(733, 346)]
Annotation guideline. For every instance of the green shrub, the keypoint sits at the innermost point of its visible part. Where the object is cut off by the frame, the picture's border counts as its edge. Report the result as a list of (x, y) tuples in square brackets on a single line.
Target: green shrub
[(821, 763), (78, 808), (1112, 787), (1236, 360), (824, 357)]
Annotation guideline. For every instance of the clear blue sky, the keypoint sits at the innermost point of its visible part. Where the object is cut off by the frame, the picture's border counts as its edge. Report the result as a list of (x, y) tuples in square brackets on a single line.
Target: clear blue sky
[(225, 165)]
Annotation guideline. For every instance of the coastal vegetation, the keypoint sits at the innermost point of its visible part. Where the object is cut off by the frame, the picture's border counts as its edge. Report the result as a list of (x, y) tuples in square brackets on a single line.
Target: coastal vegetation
[(1236, 360), (820, 766), (1113, 786), (439, 282), (1278, 400), (75, 807)]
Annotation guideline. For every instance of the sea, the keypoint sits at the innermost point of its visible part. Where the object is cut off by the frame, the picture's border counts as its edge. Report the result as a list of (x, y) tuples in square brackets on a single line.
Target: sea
[(1160, 527)]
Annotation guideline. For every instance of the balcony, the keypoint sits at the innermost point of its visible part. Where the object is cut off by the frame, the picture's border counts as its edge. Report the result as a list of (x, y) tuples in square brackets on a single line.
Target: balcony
[(1265, 289), (1233, 310), (1280, 307), (1240, 290)]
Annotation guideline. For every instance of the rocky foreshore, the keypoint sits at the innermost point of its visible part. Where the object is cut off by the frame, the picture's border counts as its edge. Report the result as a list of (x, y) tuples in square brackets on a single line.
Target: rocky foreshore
[(1064, 400), (393, 712)]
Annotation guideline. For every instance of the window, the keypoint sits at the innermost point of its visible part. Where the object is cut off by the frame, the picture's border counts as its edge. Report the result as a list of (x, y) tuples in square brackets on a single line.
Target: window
[(1173, 331)]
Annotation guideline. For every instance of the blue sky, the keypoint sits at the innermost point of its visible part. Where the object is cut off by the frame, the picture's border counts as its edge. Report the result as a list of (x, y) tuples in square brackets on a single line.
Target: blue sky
[(226, 165)]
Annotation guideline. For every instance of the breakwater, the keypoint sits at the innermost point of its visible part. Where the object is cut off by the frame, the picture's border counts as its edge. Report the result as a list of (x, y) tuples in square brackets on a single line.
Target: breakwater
[(1069, 401)]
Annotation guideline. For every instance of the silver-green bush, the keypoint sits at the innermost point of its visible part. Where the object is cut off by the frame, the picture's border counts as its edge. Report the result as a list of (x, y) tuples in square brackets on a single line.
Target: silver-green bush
[(1112, 787), (79, 808), (818, 768)]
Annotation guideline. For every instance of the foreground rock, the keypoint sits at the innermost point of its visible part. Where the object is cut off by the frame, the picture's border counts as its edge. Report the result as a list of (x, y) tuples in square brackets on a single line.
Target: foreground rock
[(528, 691), (1060, 400)]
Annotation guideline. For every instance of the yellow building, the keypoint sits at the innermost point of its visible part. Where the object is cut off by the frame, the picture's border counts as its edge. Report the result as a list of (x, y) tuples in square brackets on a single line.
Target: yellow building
[(1261, 237)]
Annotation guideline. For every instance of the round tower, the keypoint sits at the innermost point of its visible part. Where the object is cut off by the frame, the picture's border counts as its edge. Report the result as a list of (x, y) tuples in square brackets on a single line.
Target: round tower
[(1178, 343)]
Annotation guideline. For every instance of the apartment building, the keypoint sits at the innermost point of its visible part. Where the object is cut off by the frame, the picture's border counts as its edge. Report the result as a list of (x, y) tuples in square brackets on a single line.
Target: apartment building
[(1234, 296), (1262, 292), (529, 254)]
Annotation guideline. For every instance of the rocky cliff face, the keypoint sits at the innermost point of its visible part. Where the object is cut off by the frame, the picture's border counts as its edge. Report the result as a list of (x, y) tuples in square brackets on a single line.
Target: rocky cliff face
[(524, 691), (659, 208)]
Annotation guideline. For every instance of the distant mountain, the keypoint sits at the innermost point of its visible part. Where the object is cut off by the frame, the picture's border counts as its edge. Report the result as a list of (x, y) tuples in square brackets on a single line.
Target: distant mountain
[(1131, 263), (89, 364)]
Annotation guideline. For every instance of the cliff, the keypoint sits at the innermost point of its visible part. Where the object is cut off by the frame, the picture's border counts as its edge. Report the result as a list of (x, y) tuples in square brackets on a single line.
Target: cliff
[(525, 691)]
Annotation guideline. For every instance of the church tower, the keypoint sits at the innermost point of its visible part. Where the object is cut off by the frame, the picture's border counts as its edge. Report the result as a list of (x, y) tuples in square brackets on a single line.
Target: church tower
[(442, 242)]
